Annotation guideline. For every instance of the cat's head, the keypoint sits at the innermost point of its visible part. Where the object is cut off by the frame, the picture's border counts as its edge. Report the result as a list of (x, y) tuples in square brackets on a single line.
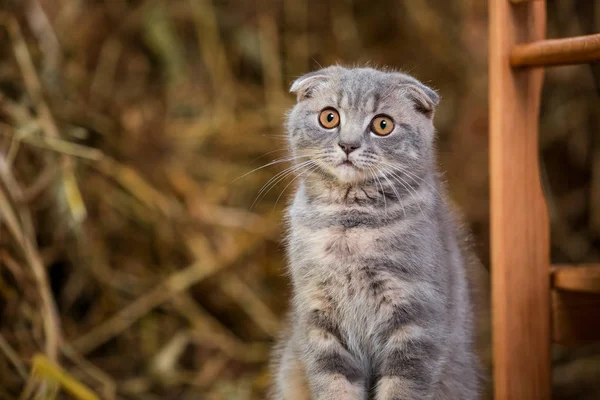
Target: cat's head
[(357, 124)]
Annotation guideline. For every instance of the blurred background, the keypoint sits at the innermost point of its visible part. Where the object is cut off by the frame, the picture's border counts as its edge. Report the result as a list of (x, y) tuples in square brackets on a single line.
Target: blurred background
[(140, 260)]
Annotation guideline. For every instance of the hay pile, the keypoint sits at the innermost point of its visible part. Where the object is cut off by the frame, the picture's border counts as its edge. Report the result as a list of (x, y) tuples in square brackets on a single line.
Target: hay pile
[(131, 258), (133, 265)]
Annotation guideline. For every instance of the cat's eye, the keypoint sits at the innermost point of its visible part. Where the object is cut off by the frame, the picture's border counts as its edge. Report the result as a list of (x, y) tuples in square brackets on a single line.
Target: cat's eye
[(329, 118), (382, 125)]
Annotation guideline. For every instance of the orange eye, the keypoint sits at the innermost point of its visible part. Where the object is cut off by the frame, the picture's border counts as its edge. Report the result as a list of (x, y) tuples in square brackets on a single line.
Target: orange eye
[(329, 118), (382, 125)]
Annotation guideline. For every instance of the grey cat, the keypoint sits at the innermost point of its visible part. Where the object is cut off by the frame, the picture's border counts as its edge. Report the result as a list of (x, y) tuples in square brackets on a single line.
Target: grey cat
[(381, 303)]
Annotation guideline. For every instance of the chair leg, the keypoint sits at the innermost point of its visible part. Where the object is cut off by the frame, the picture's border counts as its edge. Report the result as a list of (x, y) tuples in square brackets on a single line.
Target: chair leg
[(519, 220)]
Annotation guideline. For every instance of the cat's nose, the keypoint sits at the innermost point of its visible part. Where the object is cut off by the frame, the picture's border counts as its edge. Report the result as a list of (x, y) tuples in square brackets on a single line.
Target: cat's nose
[(349, 147)]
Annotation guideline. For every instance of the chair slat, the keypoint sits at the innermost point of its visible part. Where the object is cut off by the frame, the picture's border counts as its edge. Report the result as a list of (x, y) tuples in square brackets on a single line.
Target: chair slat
[(584, 278), (520, 253), (568, 51)]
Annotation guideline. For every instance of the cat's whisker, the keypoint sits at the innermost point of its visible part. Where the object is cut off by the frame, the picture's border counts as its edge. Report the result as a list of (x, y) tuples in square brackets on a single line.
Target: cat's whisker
[(383, 173), (413, 176), (277, 178), (382, 192), (274, 181), (271, 183), (382, 188), (308, 170), (411, 192), (410, 174), (416, 192), (282, 174), (270, 152), (279, 161), (416, 177)]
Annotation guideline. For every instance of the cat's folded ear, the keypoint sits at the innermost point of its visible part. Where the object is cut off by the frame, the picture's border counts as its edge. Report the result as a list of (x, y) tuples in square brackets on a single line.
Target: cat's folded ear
[(425, 98), (304, 86)]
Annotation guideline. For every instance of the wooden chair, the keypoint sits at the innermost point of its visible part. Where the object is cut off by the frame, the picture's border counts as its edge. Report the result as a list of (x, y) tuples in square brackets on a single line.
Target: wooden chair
[(533, 303)]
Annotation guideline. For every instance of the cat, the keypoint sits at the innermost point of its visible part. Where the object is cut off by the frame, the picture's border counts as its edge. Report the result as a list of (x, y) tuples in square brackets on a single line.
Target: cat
[(381, 306)]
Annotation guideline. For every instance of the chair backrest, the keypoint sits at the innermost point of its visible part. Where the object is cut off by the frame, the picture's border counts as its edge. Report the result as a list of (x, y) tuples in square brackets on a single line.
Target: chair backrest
[(532, 303)]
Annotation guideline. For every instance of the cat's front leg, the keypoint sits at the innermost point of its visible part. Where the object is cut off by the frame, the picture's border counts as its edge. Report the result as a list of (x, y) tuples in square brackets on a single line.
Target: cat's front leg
[(409, 361), (332, 371)]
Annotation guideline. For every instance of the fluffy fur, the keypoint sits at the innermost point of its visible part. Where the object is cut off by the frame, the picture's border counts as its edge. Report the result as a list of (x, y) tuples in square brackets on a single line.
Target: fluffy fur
[(381, 306)]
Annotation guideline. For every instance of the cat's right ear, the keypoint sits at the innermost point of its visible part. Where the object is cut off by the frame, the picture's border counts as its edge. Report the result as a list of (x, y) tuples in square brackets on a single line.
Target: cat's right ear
[(305, 86)]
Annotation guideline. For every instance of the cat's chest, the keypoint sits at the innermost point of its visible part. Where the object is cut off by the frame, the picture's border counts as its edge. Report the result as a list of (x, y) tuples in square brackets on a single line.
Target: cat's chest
[(354, 274), (363, 298), (353, 265), (336, 247)]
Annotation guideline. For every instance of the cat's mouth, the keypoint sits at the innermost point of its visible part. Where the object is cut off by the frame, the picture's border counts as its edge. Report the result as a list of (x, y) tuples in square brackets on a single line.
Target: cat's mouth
[(347, 171)]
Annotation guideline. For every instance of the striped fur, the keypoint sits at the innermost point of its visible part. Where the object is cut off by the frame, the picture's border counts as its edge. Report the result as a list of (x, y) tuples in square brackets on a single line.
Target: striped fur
[(381, 307)]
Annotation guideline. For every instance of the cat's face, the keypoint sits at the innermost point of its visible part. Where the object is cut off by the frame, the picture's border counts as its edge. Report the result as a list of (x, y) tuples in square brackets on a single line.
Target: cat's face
[(362, 124)]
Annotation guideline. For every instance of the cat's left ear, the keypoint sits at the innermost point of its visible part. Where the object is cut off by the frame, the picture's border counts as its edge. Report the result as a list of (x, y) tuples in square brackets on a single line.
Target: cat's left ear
[(425, 98), (304, 86)]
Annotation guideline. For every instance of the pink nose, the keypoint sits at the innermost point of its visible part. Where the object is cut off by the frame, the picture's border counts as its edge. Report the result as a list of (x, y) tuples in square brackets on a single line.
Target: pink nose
[(349, 147)]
